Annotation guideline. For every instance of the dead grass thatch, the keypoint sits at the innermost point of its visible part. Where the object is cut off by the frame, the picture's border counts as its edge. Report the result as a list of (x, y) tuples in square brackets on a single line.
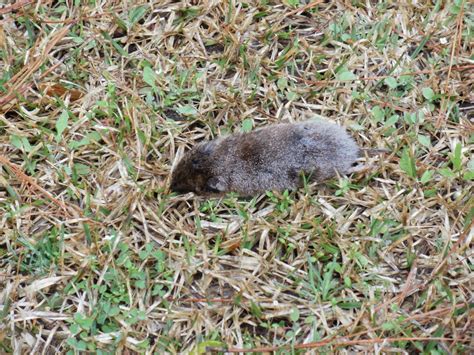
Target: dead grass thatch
[(99, 98)]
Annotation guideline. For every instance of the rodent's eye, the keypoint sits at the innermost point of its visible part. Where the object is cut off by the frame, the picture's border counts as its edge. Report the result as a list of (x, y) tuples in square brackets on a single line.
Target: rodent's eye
[(195, 162)]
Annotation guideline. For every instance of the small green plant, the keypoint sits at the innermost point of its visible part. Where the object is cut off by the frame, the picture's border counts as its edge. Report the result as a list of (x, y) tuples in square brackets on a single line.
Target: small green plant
[(344, 186), (283, 201), (407, 163)]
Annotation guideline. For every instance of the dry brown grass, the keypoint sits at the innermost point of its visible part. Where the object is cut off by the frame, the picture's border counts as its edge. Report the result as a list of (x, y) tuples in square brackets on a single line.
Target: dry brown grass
[(98, 101)]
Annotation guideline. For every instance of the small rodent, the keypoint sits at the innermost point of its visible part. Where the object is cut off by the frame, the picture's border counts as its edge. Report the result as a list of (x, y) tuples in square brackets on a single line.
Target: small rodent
[(270, 158)]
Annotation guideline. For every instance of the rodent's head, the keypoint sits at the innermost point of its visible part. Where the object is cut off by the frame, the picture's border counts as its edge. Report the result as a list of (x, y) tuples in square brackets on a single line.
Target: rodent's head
[(194, 172)]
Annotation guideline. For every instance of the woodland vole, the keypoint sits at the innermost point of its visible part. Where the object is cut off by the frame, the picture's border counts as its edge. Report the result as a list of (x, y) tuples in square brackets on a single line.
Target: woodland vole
[(270, 158)]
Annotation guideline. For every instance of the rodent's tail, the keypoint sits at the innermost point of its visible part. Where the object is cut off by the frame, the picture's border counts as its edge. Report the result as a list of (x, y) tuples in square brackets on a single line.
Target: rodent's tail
[(373, 151)]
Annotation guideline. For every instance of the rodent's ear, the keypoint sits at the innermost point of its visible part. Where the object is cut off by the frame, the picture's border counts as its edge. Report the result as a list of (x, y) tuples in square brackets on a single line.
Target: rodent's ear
[(207, 148), (216, 184)]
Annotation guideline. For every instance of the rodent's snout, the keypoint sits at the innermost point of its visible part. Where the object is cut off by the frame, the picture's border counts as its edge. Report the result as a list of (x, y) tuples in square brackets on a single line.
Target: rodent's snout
[(180, 188), (174, 186)]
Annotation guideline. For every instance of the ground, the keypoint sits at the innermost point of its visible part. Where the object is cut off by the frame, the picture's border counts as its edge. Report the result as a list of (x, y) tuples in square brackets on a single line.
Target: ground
[(98, 100)]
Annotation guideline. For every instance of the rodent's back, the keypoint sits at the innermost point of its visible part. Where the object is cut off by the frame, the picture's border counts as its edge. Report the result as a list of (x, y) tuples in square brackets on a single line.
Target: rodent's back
[(273, 157)]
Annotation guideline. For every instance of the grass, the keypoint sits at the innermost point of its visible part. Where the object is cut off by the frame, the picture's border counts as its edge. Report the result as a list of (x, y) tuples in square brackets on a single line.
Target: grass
[(99, 98)]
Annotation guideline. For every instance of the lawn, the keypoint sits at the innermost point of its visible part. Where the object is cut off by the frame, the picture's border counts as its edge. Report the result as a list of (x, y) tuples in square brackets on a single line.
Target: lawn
[(100, 98)]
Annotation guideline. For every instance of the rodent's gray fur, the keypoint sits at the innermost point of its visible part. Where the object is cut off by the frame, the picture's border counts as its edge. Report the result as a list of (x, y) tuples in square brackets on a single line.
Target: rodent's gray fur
[(270, 158)]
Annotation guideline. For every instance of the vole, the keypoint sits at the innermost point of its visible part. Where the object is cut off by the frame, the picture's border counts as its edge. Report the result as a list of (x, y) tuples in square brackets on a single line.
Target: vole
[(269, 158)]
